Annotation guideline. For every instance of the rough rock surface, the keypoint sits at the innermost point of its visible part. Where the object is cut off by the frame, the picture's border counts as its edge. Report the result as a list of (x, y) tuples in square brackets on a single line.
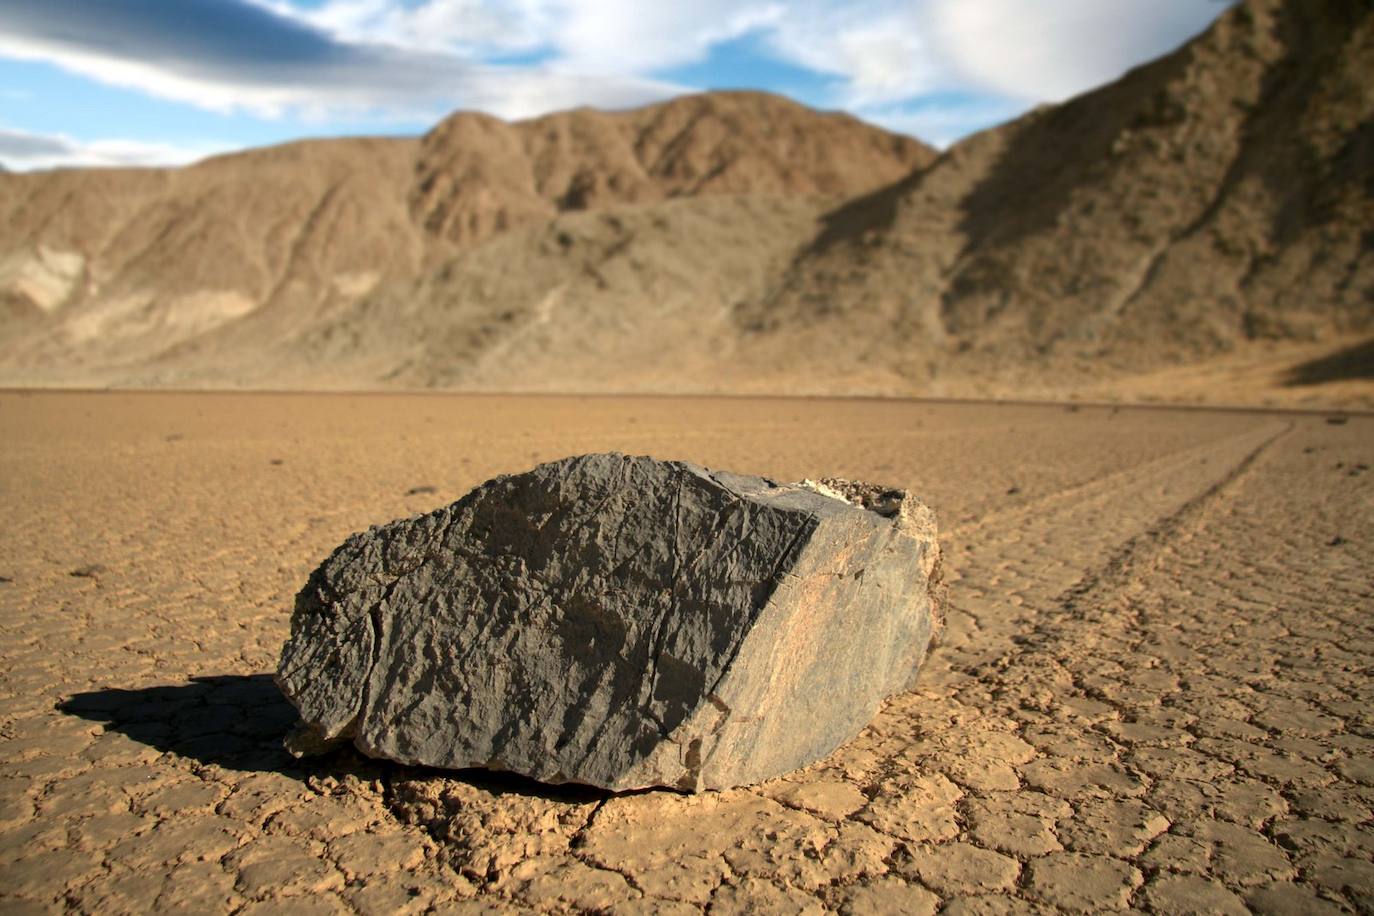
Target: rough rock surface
[(619, 622)]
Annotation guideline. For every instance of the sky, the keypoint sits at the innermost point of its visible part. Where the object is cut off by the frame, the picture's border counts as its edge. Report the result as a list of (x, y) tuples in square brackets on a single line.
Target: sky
[(156, 82)]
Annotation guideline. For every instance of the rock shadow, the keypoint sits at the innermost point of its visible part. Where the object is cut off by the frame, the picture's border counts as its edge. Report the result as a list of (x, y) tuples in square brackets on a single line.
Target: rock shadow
[(233, 721), (1352, 363), (237, 722)]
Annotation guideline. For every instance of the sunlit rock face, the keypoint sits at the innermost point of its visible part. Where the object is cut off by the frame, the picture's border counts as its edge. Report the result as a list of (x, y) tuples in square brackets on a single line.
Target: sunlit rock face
[(620, 622)]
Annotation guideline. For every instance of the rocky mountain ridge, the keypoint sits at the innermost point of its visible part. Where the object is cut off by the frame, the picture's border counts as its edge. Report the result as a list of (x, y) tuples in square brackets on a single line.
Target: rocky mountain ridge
[(1217, 196), (1216, 204)]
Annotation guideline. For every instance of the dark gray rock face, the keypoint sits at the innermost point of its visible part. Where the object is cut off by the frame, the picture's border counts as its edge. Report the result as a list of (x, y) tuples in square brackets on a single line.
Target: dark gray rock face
[(620, 622)]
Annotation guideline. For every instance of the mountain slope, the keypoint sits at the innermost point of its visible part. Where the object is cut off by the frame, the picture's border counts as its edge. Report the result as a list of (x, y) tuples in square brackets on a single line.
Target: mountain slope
[(194, 275), (478, 176), (1214, 207), (1217, 196), (113, 267)]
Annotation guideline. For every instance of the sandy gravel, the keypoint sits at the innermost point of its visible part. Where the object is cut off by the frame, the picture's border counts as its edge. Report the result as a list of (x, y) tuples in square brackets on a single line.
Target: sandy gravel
[(1154, 692)]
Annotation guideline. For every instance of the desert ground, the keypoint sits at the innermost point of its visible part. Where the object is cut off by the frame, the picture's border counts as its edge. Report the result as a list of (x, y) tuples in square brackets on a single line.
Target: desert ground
[(1153, 692)]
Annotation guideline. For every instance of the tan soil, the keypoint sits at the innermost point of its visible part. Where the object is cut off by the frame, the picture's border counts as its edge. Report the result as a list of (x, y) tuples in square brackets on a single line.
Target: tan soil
[(1153, 690)]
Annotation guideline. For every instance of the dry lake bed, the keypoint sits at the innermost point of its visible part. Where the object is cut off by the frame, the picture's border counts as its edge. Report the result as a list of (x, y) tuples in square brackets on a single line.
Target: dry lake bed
[(1154, 691)]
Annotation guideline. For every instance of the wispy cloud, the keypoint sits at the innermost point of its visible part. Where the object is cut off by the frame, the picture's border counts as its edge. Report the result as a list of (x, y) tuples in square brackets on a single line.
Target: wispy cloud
[(233, 55), (641, 38), (940, 120), (23, 151), (938, 66), (1052, 49), (467, 28), (877, 54)]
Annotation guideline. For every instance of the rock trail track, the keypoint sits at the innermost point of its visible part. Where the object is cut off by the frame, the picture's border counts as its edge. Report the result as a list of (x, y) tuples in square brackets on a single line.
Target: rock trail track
[(1153, 694)]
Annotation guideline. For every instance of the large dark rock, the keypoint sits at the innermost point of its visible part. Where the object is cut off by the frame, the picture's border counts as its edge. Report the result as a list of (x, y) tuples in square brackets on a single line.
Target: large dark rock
[(620, 622)]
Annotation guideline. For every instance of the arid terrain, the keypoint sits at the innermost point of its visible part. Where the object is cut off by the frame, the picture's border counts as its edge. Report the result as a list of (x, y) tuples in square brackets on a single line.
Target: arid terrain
[(1198, 230), (1153, 694), (1154, 691)]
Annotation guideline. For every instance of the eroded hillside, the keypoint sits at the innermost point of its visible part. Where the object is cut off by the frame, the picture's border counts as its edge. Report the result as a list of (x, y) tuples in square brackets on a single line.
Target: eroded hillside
[(1214, 208)]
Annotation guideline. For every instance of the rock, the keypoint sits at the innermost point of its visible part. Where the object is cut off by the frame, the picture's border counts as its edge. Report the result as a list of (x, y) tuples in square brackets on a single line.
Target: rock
[(619, 622)]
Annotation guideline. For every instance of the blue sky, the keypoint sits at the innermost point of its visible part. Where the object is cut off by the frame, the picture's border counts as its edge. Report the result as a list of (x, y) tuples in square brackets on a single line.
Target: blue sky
[(89, 82)]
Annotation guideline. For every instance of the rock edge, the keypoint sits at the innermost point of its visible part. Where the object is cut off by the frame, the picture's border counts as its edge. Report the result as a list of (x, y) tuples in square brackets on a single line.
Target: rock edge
[(618, 621)]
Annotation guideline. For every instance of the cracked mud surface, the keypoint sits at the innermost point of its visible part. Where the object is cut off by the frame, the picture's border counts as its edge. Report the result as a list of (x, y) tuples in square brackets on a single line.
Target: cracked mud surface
[(1153, 691)]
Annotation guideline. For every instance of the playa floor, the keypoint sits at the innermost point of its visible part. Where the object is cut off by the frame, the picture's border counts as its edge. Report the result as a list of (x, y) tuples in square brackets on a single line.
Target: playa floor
[(1154, 691)]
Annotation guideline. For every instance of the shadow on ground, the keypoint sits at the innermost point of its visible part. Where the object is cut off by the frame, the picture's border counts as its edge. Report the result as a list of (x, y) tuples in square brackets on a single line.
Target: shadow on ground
[(233, 721), (1355, 362), (238, 722)]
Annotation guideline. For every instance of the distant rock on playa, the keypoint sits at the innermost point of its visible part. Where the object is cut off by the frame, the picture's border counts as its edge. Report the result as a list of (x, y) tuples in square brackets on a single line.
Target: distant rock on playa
[(620, 622)]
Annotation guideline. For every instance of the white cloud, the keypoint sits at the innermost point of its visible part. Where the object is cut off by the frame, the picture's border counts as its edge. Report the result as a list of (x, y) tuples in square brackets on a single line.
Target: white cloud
[(157, 80), (23, 151), (527, 93), (878, 52), (1052, 49), (416, 61), (875, 53), (625, 36), (1039, 51), (622, 37), (471, 28), (942, 122), (244, 57), (881, 63)]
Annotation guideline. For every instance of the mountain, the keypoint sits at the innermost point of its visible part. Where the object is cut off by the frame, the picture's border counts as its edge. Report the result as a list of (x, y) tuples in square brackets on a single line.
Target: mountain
[(477, 176), (1221, 195), (229, 271), (1213, 208)]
